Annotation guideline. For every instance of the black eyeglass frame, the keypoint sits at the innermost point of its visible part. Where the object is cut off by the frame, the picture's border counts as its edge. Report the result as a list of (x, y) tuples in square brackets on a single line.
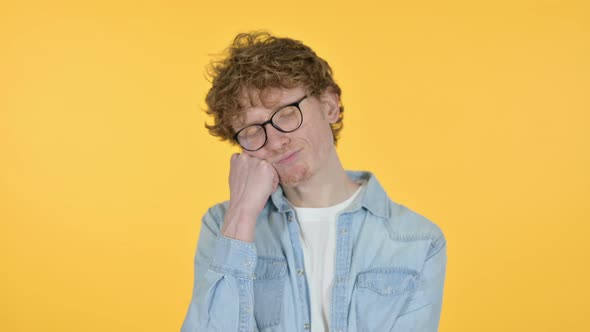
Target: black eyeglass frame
[(263, 124)]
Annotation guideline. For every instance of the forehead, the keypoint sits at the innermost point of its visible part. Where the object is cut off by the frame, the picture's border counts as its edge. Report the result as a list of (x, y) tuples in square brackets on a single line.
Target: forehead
[(265, 98), (256, 105)]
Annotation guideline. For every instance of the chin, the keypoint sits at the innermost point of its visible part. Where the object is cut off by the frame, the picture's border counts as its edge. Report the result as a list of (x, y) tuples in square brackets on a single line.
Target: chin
[(294, 176)]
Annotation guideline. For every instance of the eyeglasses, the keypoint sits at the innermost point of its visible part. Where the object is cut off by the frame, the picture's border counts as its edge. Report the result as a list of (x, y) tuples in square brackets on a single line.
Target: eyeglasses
[(287, 119)]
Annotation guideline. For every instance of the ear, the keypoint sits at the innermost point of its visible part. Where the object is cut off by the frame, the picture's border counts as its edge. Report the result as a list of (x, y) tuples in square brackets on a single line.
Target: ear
[(330, 104)]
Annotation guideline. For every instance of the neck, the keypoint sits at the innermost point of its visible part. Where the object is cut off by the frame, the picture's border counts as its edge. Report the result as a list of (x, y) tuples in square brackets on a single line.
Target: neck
[(328, 186)]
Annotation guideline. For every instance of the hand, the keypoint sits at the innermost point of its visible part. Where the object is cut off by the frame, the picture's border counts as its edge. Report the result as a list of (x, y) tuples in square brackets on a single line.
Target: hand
[(251, 182)]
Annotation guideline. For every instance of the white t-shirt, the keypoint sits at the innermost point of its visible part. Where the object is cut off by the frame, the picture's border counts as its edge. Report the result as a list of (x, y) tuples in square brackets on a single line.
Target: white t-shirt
[(318, 239)]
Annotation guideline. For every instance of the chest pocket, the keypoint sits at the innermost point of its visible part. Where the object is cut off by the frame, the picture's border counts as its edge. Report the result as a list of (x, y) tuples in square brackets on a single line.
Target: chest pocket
[(381, 293), (269, 285), (390, 281)]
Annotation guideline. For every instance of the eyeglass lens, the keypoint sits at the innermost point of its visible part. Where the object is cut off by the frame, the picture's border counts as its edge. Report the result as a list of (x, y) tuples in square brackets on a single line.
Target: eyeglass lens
[(286, 120)]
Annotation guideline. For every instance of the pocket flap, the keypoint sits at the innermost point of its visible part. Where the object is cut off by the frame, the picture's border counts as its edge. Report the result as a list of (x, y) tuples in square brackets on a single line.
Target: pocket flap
[(389, 280)]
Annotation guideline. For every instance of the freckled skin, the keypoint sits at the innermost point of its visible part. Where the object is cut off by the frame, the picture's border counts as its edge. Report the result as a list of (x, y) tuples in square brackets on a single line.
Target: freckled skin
[(314, 174), (313, 138)]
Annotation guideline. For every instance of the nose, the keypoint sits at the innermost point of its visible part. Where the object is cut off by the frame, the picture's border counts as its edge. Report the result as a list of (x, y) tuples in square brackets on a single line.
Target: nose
[(275, 139)]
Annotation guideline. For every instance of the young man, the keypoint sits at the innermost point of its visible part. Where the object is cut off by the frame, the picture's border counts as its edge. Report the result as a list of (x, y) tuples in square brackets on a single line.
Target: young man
[(303, 244)]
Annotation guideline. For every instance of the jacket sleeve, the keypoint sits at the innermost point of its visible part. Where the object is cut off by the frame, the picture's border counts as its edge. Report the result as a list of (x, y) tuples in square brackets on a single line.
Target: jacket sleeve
[(222, 298), (422, 313)]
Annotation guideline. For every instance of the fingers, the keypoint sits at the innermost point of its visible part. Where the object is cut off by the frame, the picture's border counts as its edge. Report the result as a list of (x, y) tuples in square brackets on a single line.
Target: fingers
[(244, 166), (235, 157)]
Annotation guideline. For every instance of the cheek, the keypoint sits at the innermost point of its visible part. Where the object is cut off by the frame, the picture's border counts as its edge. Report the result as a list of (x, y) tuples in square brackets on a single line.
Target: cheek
[(251, 153), (320, 141), (260, 154), (325, 138)]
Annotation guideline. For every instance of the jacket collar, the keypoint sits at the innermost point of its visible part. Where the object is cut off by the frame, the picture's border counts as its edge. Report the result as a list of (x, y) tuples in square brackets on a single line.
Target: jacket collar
[(372, 197)]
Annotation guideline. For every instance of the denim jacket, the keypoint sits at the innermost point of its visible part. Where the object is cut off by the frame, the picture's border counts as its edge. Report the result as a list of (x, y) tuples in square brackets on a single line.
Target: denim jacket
[(388, 275)]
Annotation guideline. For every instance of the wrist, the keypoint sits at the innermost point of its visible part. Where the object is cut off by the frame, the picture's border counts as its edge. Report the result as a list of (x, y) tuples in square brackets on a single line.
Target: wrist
[(239, 224)]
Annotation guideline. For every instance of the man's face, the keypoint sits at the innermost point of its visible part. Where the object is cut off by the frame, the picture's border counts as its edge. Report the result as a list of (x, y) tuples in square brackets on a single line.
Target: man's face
[(297, 155)]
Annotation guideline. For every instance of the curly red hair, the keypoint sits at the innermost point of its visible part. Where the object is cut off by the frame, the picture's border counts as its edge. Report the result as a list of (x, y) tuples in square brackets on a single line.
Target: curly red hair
[(256, 61)]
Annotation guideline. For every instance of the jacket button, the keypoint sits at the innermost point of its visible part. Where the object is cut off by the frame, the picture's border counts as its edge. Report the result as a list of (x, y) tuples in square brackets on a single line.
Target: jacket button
[(306, 326), (300, 272)]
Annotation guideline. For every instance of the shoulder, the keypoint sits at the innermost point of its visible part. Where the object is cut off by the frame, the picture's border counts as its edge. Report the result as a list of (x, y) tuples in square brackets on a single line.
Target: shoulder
[(405, 224), (402, 223)]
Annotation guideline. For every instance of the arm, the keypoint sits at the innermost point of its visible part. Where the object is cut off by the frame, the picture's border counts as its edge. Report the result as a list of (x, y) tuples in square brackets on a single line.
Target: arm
[(424, 308), (225, 261), (222, 297)]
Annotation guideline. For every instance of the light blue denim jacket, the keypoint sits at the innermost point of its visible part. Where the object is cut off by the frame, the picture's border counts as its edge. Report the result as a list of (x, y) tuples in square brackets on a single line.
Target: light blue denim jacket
[(388, 275)]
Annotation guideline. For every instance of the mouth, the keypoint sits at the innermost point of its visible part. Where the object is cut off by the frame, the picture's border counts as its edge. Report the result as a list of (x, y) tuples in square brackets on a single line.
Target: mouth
[(288, 158)]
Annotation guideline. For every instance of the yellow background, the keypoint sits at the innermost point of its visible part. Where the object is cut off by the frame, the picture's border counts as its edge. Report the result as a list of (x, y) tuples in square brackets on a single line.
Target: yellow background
[(472, 113)]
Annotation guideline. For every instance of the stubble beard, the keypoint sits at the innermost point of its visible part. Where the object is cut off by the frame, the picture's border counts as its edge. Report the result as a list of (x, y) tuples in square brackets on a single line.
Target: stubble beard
[(294, 175)]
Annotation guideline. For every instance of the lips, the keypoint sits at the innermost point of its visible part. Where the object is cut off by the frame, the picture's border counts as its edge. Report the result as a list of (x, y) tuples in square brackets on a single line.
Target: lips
[(287, 156)]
